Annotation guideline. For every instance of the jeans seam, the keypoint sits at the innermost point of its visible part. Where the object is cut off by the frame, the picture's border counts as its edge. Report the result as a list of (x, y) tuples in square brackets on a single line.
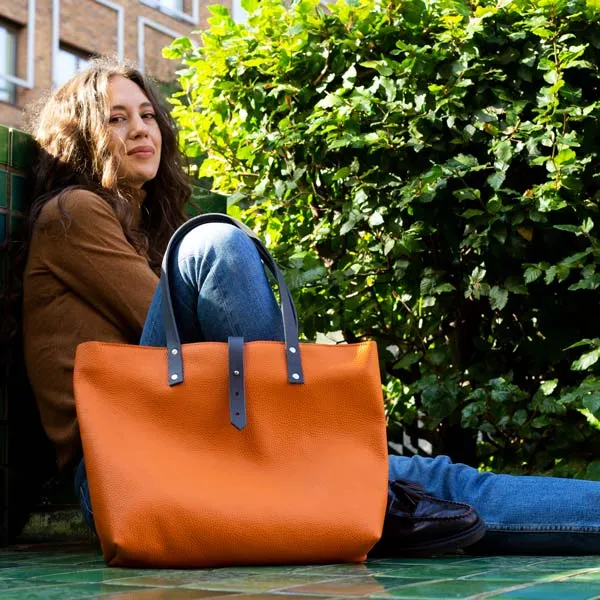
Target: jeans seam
[(528, 528)]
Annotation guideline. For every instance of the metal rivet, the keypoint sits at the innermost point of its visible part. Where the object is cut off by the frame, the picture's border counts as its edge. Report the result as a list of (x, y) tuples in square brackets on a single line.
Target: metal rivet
[(295, 376), (174, 351), (174, 376), (292, 349), (236, 372)]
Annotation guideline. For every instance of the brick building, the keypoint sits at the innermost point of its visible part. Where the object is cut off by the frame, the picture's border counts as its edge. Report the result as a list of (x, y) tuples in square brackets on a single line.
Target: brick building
[(43, 42)]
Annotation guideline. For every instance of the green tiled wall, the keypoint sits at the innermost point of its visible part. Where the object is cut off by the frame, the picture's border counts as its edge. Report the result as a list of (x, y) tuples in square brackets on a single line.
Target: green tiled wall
[(15, 156)]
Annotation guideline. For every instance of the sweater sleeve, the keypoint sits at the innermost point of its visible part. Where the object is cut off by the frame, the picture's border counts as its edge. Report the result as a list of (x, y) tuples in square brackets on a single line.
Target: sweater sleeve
[(90, 254)]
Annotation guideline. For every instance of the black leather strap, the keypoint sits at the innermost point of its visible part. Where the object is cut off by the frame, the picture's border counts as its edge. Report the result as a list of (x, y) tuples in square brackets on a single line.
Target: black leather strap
[(237, 396), (288, 311)]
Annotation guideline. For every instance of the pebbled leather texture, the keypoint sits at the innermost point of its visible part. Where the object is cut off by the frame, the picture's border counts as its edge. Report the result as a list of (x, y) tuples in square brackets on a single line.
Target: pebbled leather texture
[(173, 484)]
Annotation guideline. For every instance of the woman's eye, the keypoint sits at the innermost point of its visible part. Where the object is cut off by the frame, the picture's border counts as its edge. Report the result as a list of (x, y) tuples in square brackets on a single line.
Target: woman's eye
[(149, 116), (116, 119)]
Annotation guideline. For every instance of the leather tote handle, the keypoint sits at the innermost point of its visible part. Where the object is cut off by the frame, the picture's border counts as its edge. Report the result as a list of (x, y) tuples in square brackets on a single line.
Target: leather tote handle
[(288, 311)]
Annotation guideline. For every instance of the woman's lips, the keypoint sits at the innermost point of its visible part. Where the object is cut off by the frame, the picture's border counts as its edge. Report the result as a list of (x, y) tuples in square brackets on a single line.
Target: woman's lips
[(142, 152)]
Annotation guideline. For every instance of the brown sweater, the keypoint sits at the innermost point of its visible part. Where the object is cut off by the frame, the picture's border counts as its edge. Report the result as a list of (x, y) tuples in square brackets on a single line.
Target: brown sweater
[(82, 282)]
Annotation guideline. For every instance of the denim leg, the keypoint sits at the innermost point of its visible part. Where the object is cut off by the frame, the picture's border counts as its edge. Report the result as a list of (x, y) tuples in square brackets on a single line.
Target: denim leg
[(82, 490), (219, 289), (523, 514)]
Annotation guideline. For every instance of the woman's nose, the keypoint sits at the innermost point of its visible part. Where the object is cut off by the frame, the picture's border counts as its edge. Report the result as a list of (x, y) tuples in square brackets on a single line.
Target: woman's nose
[(138, 127)]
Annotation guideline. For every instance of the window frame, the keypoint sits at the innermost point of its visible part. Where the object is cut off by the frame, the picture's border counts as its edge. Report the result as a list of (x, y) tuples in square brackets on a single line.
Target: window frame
[(6, 85)]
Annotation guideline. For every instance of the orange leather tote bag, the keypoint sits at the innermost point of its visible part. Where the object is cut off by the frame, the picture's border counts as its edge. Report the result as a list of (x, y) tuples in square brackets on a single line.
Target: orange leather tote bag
[(211, 454)]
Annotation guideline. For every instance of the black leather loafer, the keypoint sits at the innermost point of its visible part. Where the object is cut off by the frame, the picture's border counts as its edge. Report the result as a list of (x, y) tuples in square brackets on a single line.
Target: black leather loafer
[(417, 524)]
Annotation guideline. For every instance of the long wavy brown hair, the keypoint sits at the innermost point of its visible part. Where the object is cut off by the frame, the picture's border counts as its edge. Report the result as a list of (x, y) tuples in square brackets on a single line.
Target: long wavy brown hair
[(71, 130)]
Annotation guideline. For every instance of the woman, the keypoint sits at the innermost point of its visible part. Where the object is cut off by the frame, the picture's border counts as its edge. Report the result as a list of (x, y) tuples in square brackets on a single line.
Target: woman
[(109, 193)]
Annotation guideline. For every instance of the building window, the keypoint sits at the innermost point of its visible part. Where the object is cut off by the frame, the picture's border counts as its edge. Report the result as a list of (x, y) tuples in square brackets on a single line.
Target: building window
[(68, 62), (171, 5), (8, 62), (182, 10), (238, 14)]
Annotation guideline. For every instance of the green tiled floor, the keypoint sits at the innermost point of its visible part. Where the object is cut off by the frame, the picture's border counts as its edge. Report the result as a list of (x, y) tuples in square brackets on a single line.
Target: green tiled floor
[(70, 572)]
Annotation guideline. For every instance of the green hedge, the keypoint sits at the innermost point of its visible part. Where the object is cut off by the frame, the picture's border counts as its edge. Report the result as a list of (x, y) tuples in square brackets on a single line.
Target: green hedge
[(427, 172)]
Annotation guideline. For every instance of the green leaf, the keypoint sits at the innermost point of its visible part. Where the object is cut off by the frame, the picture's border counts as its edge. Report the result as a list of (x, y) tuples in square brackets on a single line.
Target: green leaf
[(349, 77), (376, 219), (408, 360), (531, 274), (498, 298), (587, 225), (466, 160), (515, 285), (565, 157), (571, 228), (503, 151), (548, 387), (592, 403), (592, 471), (218, 10), (585, 361), (353, 218), (584, 342), (496, 179), (330, 101), (379, 66), (519, 417), (250, 5)]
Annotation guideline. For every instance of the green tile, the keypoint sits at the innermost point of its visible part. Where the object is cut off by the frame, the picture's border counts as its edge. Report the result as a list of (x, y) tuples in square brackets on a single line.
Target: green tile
[(445, 590), (17, 193), (62, 592), (3, 188), (586, 576), (357, 587), (175, 578), (17, 228), (519, 575), (167, 594), (67, 573), (89, 575), (436, 571), (3, 272), (494, 562), (440, 560), (3, 232), (4, 143), (21, 149), (17, 584), (552, 591), (29, 572), (570, 562), (254, 582), (351, 569)]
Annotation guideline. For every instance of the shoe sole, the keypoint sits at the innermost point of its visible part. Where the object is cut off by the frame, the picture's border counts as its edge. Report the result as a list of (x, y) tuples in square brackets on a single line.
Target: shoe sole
[(455, 542)]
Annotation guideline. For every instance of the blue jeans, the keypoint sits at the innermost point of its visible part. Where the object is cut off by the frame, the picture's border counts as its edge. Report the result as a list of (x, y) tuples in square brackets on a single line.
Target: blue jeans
[(220, 289)]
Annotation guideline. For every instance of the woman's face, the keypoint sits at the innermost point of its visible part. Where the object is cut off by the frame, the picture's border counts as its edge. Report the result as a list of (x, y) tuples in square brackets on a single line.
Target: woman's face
[(135, 135)]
